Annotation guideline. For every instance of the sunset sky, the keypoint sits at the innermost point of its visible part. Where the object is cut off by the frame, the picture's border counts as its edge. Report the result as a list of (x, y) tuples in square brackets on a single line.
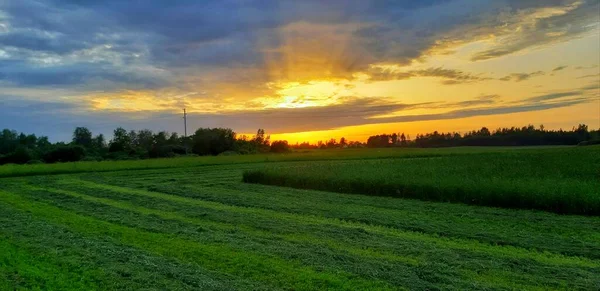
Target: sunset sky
[(302, 70)]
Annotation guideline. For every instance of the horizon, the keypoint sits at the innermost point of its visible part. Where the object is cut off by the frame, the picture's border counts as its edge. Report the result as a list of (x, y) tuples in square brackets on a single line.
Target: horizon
[(305, 71)]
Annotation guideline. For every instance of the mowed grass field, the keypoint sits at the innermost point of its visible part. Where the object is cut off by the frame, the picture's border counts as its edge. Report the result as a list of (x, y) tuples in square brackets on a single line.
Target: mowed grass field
[(197, 226)]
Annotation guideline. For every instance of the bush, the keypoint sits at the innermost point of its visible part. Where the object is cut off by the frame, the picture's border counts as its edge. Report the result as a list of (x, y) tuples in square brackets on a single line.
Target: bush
[(65, 154), (167, 151), (21, 155), (280, 146)]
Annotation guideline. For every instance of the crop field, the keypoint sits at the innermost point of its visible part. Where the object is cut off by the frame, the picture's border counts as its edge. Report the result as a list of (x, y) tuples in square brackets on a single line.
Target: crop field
[(558, 180), (193, 224)]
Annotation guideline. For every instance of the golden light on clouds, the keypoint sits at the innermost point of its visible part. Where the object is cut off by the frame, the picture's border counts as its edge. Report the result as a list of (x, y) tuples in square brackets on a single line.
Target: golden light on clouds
[(325, 69)]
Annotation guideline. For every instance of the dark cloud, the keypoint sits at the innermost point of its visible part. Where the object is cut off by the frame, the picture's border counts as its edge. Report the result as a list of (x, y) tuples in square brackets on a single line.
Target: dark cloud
[(589, 76), (98, 75), (37, 41), (559, 68), (573, 23), (518, 77), (588, 92), (586, 68), (20, 106), (481, 100), (592, 87), (233, 34), (228, 45), (450, 76), (353, 111), (552, 96), (311, 118)]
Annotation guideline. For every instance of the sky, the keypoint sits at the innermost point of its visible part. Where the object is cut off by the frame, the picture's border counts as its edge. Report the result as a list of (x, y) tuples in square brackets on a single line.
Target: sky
[(302, 70)]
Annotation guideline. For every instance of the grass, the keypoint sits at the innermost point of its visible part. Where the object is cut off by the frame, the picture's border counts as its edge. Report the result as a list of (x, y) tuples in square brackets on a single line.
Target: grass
[(563, 180), (13, 170), (200, 228)]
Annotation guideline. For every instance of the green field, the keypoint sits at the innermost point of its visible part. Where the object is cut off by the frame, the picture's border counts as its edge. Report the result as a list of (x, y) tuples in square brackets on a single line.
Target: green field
[(564, 180), (308, 155), (192, 224)]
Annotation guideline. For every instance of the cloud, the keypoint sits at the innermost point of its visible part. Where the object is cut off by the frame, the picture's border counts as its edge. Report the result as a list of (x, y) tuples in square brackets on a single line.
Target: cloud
[(351, 111), (450, 76), (94, 75), (586, 67), (552, 96), (284, 39), (589, 76), (540, 23), (584, 93), (20, 106), (559, 68), (39, 41), (518, 77), (481, 100), (592, 87), (221, 52)]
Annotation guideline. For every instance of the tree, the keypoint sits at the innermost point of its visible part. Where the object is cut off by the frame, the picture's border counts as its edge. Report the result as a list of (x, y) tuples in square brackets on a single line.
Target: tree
[(29, 141), (484, 131), (261, 141), (145, 139), (582, 132), (379, 141), (83, 137), (331, 143), (8, 141), (121, 141), (160, 139), (174, 139), (394, 138), (99, 142), (133, 138), (42, 143), (280, 146), (343, 142), (212, 141), (403, 139)]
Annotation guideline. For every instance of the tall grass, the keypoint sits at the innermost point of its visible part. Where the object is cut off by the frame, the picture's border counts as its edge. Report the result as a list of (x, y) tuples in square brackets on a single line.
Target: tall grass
[(559, 180)]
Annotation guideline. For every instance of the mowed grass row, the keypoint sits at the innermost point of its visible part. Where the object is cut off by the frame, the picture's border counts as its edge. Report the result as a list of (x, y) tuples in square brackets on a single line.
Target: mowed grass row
[(209, 253), (569, 235), (561, 180), (323, 252), (183, 162)]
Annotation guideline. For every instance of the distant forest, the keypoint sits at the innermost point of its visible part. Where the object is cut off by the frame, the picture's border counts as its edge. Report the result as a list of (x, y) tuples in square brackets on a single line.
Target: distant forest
[(20, 148)]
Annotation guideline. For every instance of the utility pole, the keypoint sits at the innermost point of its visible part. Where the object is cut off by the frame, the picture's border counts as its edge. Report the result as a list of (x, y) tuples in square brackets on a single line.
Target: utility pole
[(184, 123), (185, 143)]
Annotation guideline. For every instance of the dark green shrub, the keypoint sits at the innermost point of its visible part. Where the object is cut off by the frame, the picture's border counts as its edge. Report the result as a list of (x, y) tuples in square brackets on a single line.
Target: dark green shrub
[(65, 154), (280, 146), (21, 155)]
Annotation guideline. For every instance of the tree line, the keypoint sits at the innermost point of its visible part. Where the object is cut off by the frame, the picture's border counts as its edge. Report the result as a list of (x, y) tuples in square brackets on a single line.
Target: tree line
[(20, 148), (513, 136)]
